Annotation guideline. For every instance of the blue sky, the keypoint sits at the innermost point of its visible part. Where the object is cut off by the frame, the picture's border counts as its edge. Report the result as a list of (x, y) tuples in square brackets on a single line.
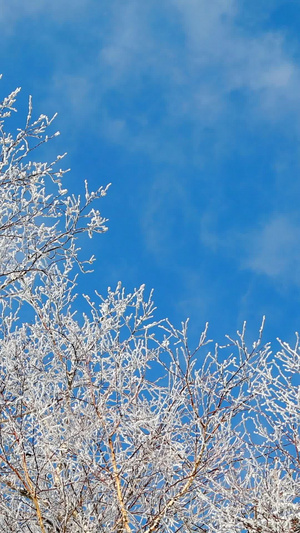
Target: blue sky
[(191, 108)]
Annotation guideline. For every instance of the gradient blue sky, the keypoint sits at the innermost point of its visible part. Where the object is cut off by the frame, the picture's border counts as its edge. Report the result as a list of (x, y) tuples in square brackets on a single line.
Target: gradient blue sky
[(191, 108)]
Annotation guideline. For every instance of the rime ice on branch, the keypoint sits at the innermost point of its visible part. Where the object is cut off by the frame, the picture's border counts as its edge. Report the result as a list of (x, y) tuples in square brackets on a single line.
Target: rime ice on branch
[(110, 422)]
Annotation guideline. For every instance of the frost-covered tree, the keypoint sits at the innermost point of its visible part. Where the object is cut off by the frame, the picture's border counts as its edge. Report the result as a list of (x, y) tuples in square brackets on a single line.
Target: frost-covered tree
[(109, 421)]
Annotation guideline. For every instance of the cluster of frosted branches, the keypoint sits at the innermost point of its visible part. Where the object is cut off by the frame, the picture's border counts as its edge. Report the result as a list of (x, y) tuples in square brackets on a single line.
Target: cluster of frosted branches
[(109, 422), (37, 228)]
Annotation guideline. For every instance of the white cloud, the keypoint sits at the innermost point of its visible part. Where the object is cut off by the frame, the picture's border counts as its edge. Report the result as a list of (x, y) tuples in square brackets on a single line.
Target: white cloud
[(198, 54), (271, 248), (229, 58), (274, 249), (125, 41)]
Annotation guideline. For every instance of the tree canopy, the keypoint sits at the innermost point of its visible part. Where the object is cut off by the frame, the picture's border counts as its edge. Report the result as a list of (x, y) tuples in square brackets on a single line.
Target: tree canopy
[(109, 420)]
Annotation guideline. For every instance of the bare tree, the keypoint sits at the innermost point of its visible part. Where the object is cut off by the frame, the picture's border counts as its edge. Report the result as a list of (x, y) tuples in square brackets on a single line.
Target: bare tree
[(109, 421)]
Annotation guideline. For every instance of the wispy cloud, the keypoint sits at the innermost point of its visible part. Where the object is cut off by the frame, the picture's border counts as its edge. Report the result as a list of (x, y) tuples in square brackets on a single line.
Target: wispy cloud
[(196, 56), (271, 248), (274, 249), (212, 57), (194, 59)]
